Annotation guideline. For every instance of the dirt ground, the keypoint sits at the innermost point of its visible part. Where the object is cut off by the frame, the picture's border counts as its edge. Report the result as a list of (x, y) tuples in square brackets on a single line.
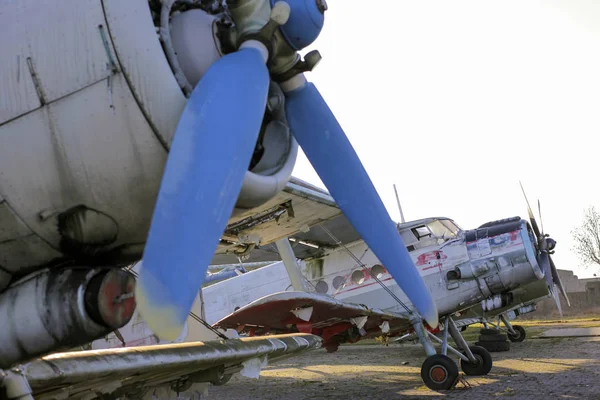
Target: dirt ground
[(534, 369)]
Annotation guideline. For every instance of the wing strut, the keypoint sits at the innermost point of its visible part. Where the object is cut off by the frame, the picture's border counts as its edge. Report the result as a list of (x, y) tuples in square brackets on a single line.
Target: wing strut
[(289, 260)]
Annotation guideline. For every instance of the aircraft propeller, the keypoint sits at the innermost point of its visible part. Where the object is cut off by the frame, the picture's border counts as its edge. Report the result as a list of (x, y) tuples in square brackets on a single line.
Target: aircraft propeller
[(545, 246), (210, 154)]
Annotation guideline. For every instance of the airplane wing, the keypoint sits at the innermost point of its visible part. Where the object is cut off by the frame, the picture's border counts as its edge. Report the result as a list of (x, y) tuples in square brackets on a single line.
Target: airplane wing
[(335, 321), (292, 213), (143, 370)]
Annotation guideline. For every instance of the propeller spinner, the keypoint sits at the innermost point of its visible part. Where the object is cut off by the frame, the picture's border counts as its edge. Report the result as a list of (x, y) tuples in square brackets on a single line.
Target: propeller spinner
[(545, 246), (210, 154)]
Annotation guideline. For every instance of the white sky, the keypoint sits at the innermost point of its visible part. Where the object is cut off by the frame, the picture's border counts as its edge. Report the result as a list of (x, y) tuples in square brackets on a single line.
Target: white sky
[(455, 102)]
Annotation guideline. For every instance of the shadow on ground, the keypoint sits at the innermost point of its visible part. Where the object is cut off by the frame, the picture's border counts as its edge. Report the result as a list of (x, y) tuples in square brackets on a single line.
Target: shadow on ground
[(534, 369)]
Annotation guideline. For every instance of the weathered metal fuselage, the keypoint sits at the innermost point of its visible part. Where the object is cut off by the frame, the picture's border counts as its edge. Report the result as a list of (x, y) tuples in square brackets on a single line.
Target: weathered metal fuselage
[(492, 266), (481, 265), (89, 105)]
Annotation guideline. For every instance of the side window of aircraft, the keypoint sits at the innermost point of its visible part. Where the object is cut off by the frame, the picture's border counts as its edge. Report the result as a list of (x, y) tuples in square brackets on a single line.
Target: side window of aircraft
[(358, 277), (424, 236), (421, 232), (338, 281), (409, 239), (377, 271), (322, 287)]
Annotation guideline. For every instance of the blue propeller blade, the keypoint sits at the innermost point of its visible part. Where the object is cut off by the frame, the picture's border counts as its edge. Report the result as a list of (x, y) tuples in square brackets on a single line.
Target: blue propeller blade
[(207, 161), (331, 154)]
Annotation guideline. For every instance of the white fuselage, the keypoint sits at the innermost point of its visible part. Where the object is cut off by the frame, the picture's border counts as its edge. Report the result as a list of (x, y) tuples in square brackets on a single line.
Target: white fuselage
[(499, 263)]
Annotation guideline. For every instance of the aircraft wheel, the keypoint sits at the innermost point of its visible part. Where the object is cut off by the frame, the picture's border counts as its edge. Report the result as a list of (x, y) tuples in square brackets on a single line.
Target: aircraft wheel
[(223, 379), (439, 372), (483, 366), (520, 334)]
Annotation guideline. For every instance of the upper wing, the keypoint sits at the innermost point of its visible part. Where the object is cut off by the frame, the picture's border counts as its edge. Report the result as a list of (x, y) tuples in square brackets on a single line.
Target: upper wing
[(335, 321), (124, 371), (292, 213)]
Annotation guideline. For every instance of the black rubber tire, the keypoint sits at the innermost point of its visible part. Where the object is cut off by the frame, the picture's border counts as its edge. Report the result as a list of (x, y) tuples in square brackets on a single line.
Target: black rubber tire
[(483, 367), (439, 372), (500, 337), (487, 331), (520, 336), (495, 347), (223, 379)]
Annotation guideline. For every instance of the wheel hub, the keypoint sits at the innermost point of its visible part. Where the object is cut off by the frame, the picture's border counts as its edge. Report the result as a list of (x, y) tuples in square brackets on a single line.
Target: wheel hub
[(438, 374), (478, 359)]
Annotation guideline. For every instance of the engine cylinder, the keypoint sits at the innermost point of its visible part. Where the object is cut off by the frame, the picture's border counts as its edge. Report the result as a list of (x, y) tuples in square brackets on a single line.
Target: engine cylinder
[(58, 309), (497, 301)]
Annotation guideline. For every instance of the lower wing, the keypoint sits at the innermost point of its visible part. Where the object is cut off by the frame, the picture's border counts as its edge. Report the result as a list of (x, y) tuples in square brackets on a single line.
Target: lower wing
[(142, 370)]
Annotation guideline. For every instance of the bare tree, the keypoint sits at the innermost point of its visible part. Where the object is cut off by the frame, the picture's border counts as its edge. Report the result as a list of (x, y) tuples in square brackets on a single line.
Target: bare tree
[(587, 238)]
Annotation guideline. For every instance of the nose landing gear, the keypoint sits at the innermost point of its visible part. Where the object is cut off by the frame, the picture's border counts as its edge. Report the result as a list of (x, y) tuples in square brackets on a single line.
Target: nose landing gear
[(440, 372)]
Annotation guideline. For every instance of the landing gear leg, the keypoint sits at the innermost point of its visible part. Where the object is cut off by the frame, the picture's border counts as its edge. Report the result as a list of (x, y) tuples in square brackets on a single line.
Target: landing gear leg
[(478, 360), (516, 333), (438, 371)]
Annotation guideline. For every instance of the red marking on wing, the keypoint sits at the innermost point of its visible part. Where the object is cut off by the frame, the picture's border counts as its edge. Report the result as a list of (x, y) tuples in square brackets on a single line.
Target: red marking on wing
[(330, 318)]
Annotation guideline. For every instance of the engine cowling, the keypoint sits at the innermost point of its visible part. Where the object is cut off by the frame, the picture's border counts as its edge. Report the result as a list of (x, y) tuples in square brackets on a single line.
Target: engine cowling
[(501, 257)]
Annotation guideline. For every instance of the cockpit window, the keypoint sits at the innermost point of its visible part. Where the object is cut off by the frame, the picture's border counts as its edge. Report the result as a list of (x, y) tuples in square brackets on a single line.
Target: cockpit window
[(452, 227), (440, 230), (432, 233)]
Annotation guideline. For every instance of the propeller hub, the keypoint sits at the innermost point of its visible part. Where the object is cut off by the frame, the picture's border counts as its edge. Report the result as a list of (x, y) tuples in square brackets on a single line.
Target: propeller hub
[(305, 23)]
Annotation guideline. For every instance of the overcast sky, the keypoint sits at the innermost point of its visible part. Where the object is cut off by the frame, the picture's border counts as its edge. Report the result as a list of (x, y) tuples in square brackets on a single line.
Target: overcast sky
[(455, 102)]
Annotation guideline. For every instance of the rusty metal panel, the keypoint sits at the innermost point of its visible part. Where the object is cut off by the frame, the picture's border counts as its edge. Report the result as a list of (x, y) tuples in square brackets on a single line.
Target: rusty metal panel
[(144, 63), (21, 255), (93, 147), (11, 226), (30, 177), (63, 42), (17, 91), (115, 160)]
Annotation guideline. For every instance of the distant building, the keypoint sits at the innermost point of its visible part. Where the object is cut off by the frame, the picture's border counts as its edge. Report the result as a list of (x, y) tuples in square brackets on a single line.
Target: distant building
[(584, 296), (571, 282)]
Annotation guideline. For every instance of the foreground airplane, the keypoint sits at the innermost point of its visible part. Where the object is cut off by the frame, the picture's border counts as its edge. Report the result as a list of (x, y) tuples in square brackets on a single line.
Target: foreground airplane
[(99, 100), (354, 297)]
